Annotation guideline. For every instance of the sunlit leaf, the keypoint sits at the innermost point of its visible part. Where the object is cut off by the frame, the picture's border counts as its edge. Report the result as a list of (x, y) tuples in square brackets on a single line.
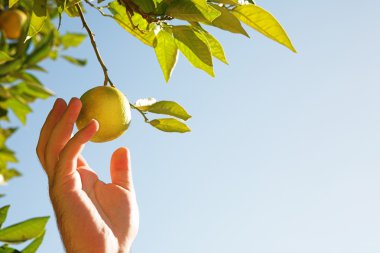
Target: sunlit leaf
[(169, 108), (215, 47), (12, 3), (193, 48), (3, 214), (170, 125), (72, 39), (24, 231), (38, 19), (11, 66), (263, 22), (120, 16), (7, 155), (229, 2), (227, 21), (31, 89), (10, 173), (4, 57), (34, 245), (6, 249), (146, 6), (41, 51), (79, 62), (166, 52), (19, 108), (192, 10)]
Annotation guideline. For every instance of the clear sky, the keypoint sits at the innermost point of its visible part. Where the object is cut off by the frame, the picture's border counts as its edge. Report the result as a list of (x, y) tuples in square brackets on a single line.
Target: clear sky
[(284, 152)]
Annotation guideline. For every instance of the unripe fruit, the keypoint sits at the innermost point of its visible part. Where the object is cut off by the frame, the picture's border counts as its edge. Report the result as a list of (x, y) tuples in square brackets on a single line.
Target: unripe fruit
[(110, 108), (11, 22)]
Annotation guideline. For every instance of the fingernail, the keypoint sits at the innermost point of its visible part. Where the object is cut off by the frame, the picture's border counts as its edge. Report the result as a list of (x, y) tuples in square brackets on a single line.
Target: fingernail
[(94, 121)]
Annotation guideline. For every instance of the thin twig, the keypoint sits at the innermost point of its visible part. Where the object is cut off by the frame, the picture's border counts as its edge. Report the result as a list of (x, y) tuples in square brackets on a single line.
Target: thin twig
[(91, 35), (115, 18), (141, 112), (99, 9)]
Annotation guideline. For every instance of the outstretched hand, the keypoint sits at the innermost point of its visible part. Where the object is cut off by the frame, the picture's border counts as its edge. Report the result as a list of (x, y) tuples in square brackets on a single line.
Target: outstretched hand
[(92, 216)]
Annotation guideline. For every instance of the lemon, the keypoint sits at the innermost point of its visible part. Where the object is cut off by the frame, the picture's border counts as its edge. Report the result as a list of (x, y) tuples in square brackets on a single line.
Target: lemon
[(11, 22), (110, 108)]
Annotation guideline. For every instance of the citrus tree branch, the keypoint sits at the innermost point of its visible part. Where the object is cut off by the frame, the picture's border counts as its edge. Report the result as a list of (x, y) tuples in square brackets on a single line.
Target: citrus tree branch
[(93, 43), (141, 112)]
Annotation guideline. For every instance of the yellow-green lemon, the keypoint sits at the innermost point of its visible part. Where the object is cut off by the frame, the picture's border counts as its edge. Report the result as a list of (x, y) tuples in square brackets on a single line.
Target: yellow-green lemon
[(110, 108), (11, 22)]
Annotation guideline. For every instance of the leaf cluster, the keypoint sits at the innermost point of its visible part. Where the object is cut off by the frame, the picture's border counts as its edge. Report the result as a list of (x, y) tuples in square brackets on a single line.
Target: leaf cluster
[(31, 229), (19, 59), (170, 108), (173, 26)]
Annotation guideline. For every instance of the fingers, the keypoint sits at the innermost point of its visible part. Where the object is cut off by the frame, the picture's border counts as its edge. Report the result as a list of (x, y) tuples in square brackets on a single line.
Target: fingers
[(61, 133), (70, 154), (121, 169), (51, 120)]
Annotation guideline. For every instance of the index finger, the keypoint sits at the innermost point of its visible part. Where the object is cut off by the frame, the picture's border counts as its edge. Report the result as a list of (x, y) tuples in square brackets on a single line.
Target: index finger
[(53, 117)]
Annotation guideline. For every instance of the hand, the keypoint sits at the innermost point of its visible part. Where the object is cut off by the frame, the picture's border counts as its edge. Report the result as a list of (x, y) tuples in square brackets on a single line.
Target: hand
[(92, 216)]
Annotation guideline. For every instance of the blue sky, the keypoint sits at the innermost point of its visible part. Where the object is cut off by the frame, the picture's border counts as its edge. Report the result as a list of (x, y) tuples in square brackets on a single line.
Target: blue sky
[(284, 152)]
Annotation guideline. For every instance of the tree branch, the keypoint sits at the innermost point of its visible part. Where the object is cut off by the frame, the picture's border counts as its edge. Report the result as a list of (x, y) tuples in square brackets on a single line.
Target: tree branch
[(91, 35), (141, 112)]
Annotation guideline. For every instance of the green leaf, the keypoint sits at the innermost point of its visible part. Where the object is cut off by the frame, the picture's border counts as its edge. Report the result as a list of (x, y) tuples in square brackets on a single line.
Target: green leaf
[(230, 2), (19, 108), (28, 78), (34, 245), (10, 66), (31, 89), (120, 16), (12, 3), (37, 68), (38, 19), (24, 231), (41, 51), (166, 52), (6, 249), (169, 108), (5, 133), (192, 10), (263, 22), (4, 57), (215, 47), (146, 6), (170, 125), (75, 61), (7, 155), (227, 21), (9, 174), (72, 39), (193, 48), (3, 214)]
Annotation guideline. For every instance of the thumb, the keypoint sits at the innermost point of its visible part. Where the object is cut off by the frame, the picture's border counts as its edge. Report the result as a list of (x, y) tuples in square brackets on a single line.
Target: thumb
[(121, 169)]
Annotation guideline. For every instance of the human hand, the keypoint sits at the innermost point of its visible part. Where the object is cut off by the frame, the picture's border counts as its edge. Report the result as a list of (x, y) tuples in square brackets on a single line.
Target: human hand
[(92, 216)]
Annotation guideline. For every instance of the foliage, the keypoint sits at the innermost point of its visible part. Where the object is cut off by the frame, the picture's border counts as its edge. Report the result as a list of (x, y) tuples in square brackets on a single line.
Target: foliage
[(169, 27), (19, 86), (32, 229)]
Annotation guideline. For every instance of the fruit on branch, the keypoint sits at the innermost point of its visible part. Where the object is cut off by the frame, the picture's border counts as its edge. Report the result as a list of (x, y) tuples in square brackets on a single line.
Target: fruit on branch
[(11, 22), (110, 108)]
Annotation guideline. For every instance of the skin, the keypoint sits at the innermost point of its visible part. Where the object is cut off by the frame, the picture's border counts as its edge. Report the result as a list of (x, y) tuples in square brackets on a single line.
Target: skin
[(92, 216)]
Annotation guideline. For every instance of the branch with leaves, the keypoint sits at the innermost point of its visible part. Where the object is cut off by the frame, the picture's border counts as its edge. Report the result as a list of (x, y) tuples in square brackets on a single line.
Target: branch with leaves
[(153, 22)]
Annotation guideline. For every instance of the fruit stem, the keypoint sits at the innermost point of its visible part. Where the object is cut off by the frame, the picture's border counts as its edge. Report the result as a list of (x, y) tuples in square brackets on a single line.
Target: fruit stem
[(141, 112), (93, 43)]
